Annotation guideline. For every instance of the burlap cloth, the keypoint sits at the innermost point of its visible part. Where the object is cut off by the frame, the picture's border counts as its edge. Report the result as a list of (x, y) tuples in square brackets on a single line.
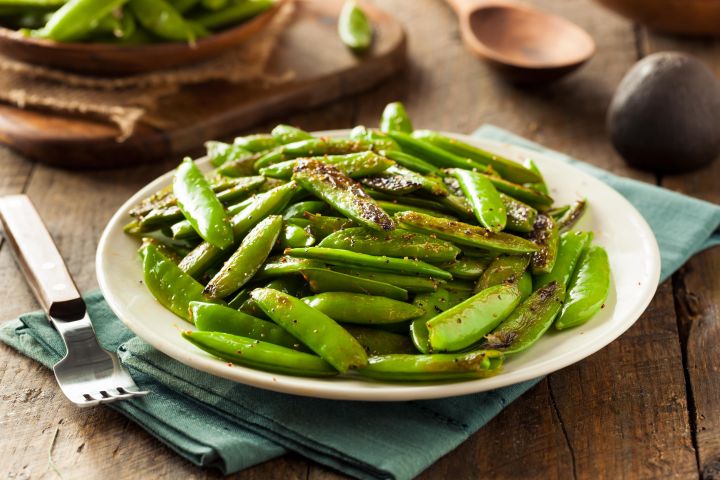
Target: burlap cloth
[(124, 101)]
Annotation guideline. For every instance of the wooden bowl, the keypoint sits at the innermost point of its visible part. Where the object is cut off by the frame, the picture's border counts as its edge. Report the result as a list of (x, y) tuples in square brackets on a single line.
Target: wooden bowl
[(116, 60), (695, 17)]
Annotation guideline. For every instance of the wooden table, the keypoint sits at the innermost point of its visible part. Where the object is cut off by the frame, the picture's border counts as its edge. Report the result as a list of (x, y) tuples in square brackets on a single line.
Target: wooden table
[(646, 406)]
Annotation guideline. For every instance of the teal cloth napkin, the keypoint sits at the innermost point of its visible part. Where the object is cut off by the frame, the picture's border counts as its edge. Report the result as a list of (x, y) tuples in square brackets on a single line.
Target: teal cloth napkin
[(215, 422)]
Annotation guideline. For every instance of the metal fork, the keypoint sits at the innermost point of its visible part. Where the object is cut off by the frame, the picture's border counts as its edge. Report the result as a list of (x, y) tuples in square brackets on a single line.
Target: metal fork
[(88, 374)]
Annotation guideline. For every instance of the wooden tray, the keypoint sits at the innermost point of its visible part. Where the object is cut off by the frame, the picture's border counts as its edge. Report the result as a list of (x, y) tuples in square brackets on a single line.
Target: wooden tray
[(324, 71)]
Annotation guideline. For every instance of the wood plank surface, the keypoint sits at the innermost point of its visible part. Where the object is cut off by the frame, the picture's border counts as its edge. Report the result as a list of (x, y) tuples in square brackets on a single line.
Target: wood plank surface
[(622, 413)]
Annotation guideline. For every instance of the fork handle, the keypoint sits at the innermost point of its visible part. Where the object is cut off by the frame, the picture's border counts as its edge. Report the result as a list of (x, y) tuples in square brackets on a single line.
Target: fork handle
[(39, 259)]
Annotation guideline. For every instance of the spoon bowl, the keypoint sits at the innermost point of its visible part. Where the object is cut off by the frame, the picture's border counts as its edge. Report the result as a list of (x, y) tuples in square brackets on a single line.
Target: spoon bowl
[(522, 43)]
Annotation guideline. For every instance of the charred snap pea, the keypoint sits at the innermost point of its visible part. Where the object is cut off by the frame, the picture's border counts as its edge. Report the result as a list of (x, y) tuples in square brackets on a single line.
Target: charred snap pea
[(529, 321), (284, 134), (316, 330), (247, 259), (411, 283), (588, 289), (323, 280), (572, 215), (572, 244), (468, 322), (380, 342), (445, 366), (545, 234), (261, 355), (412, 163), (434, 304), (210, 317), (395, 118), (298, 210), (509, 169), (354, 28), (465, 234), (362, 309), (520, 216), (430, 184), (396, 243), (354, 165), (486, 203), (200, 206), (342, 193), (432, 154), (346, 258), (391, 208), (466, 268), (322, 225), (392, 184), (503, 269)]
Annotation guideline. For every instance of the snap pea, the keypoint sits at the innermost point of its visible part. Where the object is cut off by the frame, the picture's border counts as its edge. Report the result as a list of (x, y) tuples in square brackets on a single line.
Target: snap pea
[(164, 248), (323, 280), (573, 214), (528, 195), (445, 366), (540, 184), (509, 169), (392, 184), (486, 203), (503, 269), (572, 244), (284, 134), (380, 342), (214, 4), (558, 212), (205, 255), (383, 263), (234, 13), (247, 259), (465, 234), (525, 285), (323, 225), (469, 321), (458, 205), (529, 321), (77, 18), (259, 354), (397, 243), (354, 165), (316, 330), (411, 162), (312, 148), (210, 317), (170, 286), (545, 234), (588, 288), (520, 216), (379, 140), (241, 166), (432, 154), (161, 19), (293, 236), (433, 303), (183, 6), (362, 309), (256, 143), (221, 153), (432, 185), (411, 283), (391, 208), (354, 28), (298, 210), (394, 117), (409, 200), (200, 206), (283, 265), (466, 268), (342, 193)]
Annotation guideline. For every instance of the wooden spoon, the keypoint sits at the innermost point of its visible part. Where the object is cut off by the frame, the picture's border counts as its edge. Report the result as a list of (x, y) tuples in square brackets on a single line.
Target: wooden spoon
[(522, 43)]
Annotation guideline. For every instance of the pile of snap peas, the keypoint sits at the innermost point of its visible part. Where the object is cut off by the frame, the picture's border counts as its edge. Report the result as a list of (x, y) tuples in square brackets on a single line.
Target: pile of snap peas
[(126, 21), (395, 253)]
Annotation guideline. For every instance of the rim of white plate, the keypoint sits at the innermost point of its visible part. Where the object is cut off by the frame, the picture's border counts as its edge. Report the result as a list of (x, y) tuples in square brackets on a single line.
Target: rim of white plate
[(353, 387)]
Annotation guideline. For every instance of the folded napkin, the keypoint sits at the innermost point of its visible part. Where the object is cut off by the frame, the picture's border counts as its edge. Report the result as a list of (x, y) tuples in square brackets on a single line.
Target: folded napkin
[(216, 422)]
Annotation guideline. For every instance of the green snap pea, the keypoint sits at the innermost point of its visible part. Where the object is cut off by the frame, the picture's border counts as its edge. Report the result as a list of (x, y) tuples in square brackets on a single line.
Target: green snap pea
[(210, 317), (283, 265), (571, 246), (466, 268), (354, 28), (509, 169), (234, 13), (354, 165), (558, 212), (503, 269), (432, 154), (391, 208), (379, 140), (392, 184), (396, 243), (200, 206), (214, 4), (323, 280), (433, 303), (298, 210), (540, 184), (362, 309), (395, 118), (411, 283), (432, 185), (161, 19), (545, 234), (573, 214), (284, 134), (221, 153), (261, 355), (316, 330), (183, 6), (380, 342), (459, 206), (77, 18), (520, 216), (323, 225), (419, 202), (242, 165), (528, 195), (342, 193), (247, 259), (525, 285), (256, 143), (312, 148), (345, 258), (170, 286), (529, 321), (486, 203), (206, 255), (293, 236), (588, 288), (465, 234), (444, 366), (412, 163)]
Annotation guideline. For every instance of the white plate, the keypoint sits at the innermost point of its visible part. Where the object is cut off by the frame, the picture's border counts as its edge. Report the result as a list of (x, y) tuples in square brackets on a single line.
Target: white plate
[(631, 246)]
